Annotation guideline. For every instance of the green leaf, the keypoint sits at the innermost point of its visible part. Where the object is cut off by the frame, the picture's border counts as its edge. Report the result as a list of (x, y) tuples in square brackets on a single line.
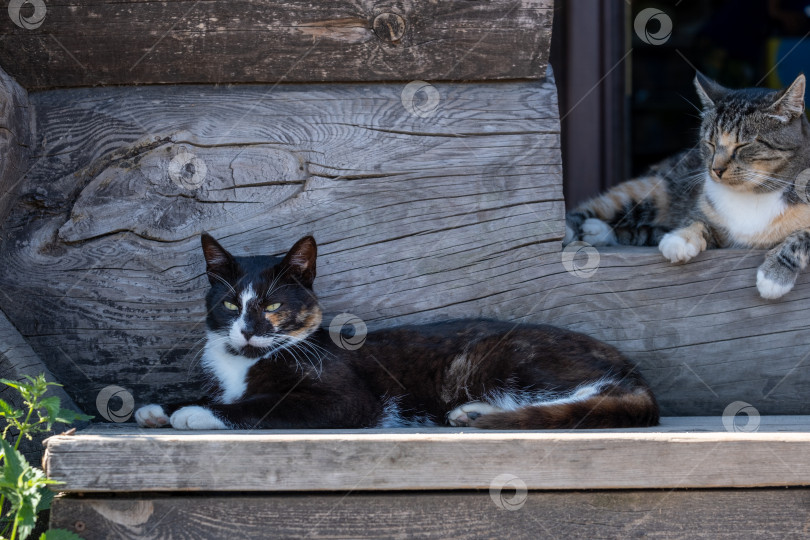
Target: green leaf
[(11, 414), (67, 416), (28, 519), (59, 534), (51, 404), (5, 409), (8, 382), (14, 464), (45, 500)]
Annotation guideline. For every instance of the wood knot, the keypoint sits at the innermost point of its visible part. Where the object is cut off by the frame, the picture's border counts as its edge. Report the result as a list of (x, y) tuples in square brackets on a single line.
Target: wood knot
[(389, 27)]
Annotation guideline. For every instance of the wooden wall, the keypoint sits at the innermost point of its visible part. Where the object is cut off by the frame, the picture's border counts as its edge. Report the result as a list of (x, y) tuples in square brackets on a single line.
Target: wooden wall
[(429, 201), (454, 214), (418, 218), (94, 42)]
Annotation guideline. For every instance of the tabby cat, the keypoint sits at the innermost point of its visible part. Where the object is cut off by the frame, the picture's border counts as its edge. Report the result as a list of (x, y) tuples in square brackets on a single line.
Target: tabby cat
[(271, 365), (744, 185)]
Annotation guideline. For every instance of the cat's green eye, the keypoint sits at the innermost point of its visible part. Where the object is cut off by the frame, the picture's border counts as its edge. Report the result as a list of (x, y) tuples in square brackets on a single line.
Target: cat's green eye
[(230, 306), (272, 307)]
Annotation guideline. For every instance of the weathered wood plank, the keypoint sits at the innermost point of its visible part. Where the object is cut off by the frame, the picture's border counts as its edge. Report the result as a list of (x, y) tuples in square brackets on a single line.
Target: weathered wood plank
[(167, 460), (16, 139), (97, 42), (711, 514), (411, 213), (419, 219)]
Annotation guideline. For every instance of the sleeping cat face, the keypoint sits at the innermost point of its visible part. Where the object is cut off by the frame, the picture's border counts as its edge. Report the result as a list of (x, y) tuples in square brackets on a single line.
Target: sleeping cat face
[(750, 138), (257, 307)]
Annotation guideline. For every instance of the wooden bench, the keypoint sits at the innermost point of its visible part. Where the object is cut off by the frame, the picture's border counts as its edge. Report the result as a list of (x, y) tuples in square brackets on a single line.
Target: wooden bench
[(122, 137), (436, 482)]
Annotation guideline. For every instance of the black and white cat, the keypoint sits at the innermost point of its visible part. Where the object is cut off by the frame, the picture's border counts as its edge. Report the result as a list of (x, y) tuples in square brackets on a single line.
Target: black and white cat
[(272, 366)]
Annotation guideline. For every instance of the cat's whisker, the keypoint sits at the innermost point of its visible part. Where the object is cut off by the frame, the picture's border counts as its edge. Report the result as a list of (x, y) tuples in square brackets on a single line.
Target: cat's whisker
[(310, 350)]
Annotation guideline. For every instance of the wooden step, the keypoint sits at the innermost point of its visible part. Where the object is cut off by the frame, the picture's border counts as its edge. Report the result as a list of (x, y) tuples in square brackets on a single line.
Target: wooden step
[(561, 515), (683, 452)]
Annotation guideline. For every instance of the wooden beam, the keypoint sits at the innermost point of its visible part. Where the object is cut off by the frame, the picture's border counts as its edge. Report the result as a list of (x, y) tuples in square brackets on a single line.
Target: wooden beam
[(96, 42), (777, 513), (412, 210), (454, 214), (16, 139), (682, 453)]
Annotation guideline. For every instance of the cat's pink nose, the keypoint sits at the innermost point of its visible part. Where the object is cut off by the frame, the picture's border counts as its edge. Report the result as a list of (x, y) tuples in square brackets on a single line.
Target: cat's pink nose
[(719, 171)]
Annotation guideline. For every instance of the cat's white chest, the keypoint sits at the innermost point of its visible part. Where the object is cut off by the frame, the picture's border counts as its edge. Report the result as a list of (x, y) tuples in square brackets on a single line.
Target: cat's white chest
[(230, 371), (745, 215)]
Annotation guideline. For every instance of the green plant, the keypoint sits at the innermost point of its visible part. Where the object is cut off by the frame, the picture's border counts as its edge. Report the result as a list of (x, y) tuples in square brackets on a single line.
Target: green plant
[(23, 487)]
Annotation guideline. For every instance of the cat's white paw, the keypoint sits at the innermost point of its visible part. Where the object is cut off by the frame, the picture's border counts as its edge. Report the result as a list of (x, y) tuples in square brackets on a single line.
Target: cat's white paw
[(676, 248), (151, 416), (769, 288), (463, 415), (195, 417), (598, 233)]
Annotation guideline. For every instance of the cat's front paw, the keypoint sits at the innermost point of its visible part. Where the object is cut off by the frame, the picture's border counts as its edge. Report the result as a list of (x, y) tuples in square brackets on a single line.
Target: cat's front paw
[(195, 417), (151, 416), (677, 248), (774, 279), (598, 233), (464, 415)]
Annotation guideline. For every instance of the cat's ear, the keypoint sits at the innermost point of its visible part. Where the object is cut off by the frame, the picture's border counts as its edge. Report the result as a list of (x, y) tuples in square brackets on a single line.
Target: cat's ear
[(301, 260), (708, 91), (218, 262), (790, 103)]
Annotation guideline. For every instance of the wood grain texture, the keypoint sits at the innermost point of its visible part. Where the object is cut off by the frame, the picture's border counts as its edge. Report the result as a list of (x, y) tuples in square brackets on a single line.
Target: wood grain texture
[(682, 454), (97, 42), (720, 514), (457, 213), (417, 217), (16, 139), (701, 514)]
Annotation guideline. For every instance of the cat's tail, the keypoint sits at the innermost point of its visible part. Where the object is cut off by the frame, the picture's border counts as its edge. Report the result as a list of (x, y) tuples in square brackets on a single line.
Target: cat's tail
[(637, 408), (632, 213)]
